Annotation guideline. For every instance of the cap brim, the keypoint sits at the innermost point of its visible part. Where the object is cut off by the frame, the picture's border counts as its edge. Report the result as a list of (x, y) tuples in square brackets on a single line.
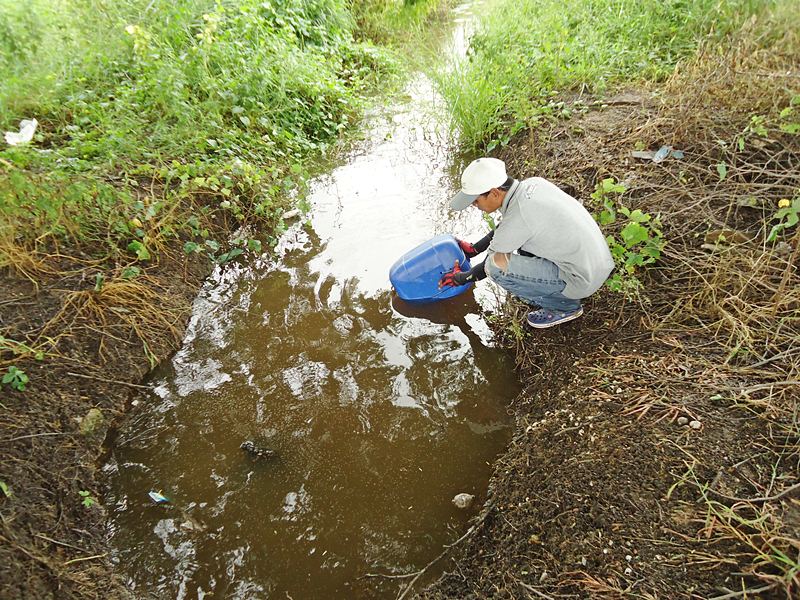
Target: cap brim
[(461, 200)]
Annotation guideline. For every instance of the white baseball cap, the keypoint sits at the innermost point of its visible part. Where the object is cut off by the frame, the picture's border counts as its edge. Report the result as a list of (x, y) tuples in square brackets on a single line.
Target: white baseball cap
[(480, 176)]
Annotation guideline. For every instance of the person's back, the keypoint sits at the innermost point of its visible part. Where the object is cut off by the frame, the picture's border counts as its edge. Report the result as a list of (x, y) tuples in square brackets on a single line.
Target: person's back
[(547, 250), (543, 220)]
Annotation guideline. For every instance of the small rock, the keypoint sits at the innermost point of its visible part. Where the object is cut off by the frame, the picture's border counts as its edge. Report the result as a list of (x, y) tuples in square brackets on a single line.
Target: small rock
[(583, 561), (463, 500), (91, 422), (682, 420), (628, 570), (628, 557), (695, 424)]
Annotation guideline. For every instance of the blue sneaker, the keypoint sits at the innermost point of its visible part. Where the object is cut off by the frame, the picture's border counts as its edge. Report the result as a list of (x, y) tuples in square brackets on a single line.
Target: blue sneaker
[(545, 317)]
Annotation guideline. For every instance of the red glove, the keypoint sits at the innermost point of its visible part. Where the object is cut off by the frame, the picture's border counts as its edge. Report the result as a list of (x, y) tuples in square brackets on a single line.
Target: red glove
[(450, 278), (469, 249)]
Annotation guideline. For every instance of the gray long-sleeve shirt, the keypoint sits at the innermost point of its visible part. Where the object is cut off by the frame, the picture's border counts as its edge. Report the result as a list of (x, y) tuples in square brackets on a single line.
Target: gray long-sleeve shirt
[(540, 218)]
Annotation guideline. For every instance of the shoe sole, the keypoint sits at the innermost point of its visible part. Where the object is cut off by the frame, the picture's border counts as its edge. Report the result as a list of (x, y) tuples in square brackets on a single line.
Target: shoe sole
[(564, 320)]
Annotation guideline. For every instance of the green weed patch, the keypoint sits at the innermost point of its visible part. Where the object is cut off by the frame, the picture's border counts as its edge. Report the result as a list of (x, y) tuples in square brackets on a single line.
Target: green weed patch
[(152, 113), (526, 52)]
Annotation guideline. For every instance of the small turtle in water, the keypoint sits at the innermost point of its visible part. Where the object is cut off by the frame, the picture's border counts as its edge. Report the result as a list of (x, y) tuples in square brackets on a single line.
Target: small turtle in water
[(257, 451)]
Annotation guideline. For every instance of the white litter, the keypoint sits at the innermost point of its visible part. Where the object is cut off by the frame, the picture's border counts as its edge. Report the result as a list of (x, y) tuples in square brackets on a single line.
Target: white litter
[(27, 127)]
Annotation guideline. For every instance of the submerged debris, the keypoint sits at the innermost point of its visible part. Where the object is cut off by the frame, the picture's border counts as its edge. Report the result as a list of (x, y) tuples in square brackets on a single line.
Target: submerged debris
[(257, 451), (158, 497)]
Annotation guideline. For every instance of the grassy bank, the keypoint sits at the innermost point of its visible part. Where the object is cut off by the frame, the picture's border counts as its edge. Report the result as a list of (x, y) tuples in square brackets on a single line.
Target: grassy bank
[(656, 451), (527, 53), (224, 102)]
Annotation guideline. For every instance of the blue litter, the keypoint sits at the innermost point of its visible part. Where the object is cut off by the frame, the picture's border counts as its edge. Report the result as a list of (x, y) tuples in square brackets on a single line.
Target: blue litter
[(415, 276)]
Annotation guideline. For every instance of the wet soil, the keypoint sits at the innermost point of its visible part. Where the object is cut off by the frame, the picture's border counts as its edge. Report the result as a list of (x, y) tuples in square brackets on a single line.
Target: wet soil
[(52, 545)]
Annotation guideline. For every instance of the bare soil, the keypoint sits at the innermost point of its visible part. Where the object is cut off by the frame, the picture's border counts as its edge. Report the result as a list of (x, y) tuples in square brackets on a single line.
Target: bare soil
[(606, 491)]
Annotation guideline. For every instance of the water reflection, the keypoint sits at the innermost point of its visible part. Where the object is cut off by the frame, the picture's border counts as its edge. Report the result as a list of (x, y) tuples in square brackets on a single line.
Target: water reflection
[(379, 417), (380, 411)]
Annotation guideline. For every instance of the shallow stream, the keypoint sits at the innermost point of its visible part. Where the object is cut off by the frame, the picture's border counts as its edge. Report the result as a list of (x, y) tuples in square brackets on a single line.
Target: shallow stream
[(380, 412)]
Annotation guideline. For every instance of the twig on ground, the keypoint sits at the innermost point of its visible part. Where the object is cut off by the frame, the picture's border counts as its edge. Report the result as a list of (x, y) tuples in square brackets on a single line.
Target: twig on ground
[(104, 380), (786, 492), (743, 593)]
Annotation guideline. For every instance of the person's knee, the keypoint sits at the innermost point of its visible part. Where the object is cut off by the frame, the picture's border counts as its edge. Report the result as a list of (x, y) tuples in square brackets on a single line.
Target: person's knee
[(500, 260)]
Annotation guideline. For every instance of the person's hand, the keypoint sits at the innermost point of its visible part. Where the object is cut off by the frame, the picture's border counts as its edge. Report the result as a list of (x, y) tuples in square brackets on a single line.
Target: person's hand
[(469, 249), (453, 278)]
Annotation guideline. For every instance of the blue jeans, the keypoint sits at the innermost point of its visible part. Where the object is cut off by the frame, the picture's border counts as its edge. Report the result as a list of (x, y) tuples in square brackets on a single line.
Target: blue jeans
[(534, 280)]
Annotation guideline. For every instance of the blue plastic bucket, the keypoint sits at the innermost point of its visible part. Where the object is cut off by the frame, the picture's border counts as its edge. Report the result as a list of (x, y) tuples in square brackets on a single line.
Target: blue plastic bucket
[(415, 276)]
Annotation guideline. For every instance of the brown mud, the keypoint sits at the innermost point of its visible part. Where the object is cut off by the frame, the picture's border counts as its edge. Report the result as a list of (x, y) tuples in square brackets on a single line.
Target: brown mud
[(602, 492), (100, 346)]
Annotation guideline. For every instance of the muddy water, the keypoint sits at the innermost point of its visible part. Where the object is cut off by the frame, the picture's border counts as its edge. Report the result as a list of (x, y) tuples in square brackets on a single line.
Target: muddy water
[(380, 412)]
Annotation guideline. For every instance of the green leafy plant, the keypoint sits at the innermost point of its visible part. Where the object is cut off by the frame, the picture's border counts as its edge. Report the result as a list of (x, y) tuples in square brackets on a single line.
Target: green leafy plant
[(787, 215), (524, 53), (130, 272), (16, 378), (88, 500), (138, 248), (638, 243), (5, 489), (789, 117)]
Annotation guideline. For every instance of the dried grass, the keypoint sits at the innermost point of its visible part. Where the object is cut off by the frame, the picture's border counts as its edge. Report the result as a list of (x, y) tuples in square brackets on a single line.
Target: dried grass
[(728, 307)]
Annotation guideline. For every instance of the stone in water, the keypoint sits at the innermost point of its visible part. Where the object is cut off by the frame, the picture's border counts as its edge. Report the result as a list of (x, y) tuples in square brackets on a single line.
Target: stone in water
[(463, 500)]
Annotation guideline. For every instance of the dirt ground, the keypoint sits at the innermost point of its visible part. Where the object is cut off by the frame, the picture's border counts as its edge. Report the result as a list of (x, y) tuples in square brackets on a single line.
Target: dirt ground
[(656, 446), (604, 491), (51, 545)]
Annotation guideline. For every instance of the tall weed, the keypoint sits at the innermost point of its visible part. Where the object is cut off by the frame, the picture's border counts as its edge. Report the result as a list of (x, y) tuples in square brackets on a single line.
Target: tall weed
[(527, 50)]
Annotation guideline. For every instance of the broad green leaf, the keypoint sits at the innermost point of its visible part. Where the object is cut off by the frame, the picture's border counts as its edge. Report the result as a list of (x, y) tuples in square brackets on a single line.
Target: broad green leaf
[(722, 169), (637, 216), (139, 248), (633, 233), (131, 272), (634, 260)]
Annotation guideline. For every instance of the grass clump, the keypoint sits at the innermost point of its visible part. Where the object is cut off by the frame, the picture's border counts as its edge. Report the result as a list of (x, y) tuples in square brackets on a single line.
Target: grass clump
[(528, 51), (395, 22)]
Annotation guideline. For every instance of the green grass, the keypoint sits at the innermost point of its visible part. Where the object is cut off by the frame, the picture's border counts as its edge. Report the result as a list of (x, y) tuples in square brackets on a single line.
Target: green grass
[(527, 51), (395, 22), (227, 101)]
